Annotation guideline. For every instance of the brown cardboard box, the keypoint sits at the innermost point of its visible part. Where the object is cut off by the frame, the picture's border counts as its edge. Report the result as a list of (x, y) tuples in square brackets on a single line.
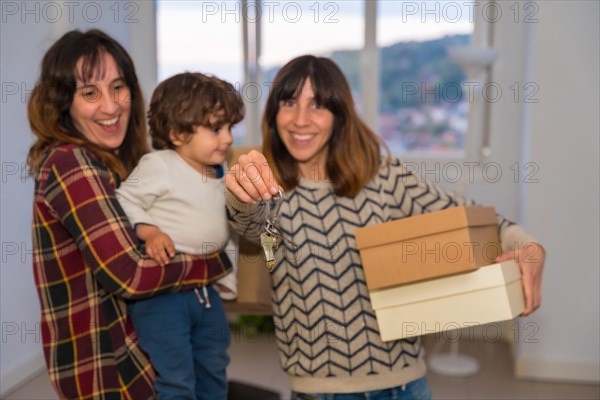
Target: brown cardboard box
[(254, 281), (446, 242), (490, 294)]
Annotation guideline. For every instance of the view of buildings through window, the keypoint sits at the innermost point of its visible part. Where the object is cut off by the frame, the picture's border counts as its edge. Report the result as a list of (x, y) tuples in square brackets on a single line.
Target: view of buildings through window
[(421, 106)]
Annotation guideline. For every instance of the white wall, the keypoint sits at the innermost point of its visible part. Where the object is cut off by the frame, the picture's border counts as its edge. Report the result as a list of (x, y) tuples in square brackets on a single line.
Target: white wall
[(544, 141), (562, 209), (19, 307), (27, 31)]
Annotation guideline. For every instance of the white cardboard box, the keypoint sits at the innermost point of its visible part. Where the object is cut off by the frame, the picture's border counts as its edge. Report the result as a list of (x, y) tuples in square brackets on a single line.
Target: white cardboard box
[(490, 294)]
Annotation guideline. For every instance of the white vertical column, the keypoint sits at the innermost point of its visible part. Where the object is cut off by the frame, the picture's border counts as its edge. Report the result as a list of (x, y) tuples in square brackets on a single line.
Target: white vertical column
[(252, 89), (143, 46), (370, 67)]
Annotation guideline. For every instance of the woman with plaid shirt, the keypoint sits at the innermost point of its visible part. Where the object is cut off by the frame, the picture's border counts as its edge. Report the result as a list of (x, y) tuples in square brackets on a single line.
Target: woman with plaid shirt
[(87, 113)]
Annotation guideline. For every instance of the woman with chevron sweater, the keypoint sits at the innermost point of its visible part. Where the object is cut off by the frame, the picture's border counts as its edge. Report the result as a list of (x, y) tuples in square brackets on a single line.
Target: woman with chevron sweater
[(329, 164)]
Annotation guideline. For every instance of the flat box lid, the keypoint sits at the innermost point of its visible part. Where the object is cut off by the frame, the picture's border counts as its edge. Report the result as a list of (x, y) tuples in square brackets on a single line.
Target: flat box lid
[(484, 278), (424, 225)]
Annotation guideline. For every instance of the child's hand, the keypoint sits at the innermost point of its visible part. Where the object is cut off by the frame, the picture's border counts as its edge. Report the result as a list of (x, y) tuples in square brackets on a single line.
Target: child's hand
[(159, 245)]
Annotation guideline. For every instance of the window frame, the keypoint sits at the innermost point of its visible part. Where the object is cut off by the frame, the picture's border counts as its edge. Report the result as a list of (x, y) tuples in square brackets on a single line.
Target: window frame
[(478, 122)]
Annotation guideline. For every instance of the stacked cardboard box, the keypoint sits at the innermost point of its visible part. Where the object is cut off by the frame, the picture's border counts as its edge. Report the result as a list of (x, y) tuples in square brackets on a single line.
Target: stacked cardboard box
[(436, 272)]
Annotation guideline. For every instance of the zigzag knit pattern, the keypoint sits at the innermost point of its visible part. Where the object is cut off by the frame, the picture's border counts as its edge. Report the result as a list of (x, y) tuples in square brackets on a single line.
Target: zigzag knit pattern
[(325, 324)]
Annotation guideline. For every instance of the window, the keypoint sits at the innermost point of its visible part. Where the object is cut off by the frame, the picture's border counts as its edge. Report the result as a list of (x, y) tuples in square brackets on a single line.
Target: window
[(314, 28), (421, 107), (415, 91), (201, 36), (193, 37)]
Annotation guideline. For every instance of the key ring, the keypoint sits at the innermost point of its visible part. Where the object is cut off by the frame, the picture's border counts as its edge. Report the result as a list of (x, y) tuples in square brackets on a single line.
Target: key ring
[(271, 221), (272, 218)]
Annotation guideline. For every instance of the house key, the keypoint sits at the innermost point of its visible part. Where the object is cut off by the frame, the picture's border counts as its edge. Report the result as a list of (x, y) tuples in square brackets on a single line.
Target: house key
[(268, 243), (271, 238)]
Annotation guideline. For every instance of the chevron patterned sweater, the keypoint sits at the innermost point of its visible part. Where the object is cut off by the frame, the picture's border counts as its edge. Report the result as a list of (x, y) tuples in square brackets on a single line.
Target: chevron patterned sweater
[(325, 326)]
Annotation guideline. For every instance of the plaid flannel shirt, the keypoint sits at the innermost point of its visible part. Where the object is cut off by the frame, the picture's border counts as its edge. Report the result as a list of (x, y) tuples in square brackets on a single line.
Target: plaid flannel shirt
[(86, 266)]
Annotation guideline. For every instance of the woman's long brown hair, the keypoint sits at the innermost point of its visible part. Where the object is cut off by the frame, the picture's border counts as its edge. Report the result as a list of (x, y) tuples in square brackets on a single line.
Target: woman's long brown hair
[(50, 102), (354, 156)]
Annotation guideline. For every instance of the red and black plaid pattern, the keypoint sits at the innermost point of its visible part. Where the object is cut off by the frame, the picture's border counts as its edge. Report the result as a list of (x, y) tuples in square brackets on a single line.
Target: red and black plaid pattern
[(86, 266)]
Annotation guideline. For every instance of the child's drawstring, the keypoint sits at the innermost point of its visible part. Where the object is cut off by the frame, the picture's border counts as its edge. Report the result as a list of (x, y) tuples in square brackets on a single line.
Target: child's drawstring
[(205, 293)]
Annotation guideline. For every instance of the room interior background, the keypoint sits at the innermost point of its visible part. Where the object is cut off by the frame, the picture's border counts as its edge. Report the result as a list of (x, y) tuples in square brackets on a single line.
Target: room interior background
[(555, 138)]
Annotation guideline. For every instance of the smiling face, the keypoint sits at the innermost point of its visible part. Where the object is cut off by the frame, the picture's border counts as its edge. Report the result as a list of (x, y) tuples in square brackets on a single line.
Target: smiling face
[(101, 106), (305, 129)]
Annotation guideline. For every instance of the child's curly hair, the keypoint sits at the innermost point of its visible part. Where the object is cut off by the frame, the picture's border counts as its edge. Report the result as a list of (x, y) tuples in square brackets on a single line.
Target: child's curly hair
[(185, 101)]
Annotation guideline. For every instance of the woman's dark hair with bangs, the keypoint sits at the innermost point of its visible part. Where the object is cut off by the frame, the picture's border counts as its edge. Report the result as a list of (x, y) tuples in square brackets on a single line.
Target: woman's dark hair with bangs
[(50, 103), (354, 156), (185, 101)]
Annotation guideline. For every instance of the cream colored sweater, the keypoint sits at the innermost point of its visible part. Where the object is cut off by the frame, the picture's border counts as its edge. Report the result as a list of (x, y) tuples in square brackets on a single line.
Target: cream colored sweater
[(325, 326)]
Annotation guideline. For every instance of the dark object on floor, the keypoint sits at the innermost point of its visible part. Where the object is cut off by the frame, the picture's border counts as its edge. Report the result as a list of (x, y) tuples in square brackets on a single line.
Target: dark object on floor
[(243, 391)]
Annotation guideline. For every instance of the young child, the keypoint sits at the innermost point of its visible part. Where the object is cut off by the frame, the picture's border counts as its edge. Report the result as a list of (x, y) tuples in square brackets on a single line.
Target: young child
[(175, 199)]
